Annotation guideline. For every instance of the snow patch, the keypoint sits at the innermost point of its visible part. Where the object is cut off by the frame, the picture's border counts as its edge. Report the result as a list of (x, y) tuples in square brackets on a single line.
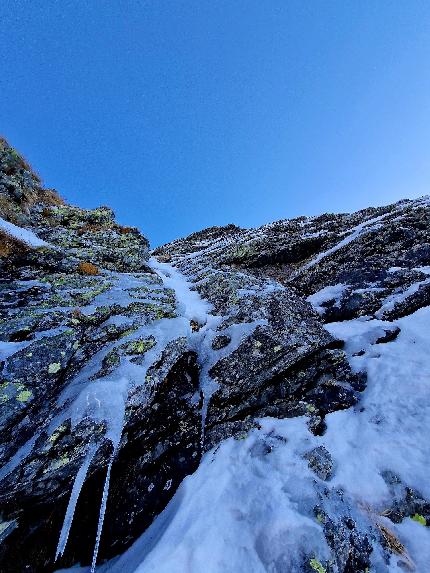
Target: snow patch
[(24, 235), (328, 293)]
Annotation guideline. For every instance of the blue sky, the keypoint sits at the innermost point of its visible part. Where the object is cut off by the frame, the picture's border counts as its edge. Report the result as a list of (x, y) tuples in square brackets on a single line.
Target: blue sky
[(186, 114)]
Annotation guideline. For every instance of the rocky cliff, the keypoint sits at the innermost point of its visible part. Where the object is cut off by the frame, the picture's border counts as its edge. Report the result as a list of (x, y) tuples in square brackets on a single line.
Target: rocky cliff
[(296, 348)]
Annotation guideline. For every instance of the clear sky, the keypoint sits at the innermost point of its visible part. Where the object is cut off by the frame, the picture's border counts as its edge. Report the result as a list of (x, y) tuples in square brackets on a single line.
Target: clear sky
[(186, 114)]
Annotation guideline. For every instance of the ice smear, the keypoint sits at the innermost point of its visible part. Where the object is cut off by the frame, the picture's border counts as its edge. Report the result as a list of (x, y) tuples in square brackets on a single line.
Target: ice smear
[(193, 307), (102, 401), (74, 496), (24, 235), (19, 456), (202, 343), (9, 348)]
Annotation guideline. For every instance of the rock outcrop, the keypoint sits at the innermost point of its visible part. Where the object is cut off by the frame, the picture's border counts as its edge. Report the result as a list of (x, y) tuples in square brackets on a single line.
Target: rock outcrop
[(119, 370)]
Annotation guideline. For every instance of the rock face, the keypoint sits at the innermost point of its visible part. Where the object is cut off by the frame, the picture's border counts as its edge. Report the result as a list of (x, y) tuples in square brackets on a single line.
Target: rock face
[(76, 319), (114, 364)]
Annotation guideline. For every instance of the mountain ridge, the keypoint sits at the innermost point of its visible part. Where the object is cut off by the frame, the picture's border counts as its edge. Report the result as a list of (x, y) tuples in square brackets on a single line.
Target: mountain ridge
[(124, 371)]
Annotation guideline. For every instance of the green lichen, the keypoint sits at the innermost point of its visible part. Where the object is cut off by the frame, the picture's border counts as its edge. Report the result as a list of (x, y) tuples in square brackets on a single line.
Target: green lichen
[(128, 332), (54, 367), (57, 464), (56, 434), (316, 566), (419, 519), (243, 251), (139, 346), (24, 396)]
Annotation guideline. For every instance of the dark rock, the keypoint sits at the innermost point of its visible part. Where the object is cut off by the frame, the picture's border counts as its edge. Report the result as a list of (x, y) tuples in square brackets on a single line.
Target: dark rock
[(221, 341), (320, 462), (389, 335)]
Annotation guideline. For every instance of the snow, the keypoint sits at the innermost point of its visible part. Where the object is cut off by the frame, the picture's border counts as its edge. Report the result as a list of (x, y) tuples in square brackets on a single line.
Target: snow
[(367, 226), (24, 235), (328, 293), (391, 428), (396, 298), (246, 509), (243, 510), (416, 538)]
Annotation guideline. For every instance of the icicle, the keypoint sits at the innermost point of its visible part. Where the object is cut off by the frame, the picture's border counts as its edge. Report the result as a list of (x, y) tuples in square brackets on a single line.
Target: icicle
[(76, 490), (102, 513)]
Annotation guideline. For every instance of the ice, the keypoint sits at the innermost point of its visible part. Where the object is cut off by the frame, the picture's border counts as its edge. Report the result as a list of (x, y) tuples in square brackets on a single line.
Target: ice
[(202, 342), (24, 235), (9, 348), (74, 496), (102, 401), (102, 514), (19, 456)]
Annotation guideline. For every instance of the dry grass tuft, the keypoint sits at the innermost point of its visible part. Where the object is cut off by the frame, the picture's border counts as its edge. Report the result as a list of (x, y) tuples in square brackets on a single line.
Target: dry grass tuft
[(125, 230), (88, 269), (10, 246), (391, 540)]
